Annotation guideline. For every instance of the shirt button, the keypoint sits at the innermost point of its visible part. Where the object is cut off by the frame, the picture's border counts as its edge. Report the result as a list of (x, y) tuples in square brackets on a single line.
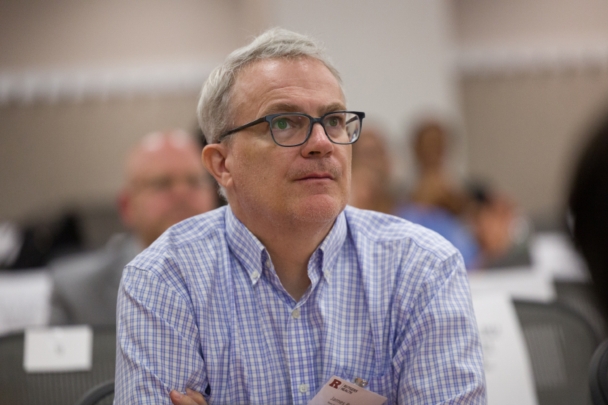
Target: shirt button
[(255, 275), (295, 313), (268, 263), (303, 388)]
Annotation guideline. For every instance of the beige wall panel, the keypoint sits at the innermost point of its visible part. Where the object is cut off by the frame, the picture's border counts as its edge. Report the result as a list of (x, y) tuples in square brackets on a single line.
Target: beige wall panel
[(52, 156), (69, 150), (65, 33), (524, 131), (524, 23)]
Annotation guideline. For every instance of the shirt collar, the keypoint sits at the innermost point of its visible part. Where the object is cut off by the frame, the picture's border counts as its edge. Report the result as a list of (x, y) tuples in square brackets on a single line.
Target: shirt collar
[(331, 245), (245, 246), (251, 253)]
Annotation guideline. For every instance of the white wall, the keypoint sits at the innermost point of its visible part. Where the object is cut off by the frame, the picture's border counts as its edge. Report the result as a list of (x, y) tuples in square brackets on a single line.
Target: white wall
[(394, 56)]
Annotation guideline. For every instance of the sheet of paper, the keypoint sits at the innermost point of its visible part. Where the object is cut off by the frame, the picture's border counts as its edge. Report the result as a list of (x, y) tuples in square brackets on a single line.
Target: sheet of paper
[(25, 297), (58, 349), (509, 376), (554, 254), (338, 391), (521, 283)]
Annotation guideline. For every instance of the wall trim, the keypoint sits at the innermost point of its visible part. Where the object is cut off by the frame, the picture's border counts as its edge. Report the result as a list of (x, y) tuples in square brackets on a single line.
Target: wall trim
[(480, 62), (99, 84)]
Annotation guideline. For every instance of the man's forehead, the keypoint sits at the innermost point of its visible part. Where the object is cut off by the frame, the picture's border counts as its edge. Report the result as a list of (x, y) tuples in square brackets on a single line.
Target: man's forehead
[(162, 157), (157, 140), (263, 78)]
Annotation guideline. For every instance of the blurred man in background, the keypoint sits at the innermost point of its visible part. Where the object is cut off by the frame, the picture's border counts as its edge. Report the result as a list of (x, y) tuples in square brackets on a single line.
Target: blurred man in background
[(502, 232), (437, 201), (165, 183), (371, 185)]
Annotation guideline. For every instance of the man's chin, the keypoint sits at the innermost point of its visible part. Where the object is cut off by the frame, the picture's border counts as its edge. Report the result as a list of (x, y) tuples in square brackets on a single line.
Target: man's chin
[(319, 209)]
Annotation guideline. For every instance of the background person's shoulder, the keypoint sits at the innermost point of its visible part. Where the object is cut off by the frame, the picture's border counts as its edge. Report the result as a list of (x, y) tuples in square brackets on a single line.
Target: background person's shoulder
[(195, 228), (198, 235), (382, 228)]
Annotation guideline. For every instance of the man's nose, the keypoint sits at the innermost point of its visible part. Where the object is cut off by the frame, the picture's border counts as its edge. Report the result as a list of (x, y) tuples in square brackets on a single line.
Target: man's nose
[(318, 143)]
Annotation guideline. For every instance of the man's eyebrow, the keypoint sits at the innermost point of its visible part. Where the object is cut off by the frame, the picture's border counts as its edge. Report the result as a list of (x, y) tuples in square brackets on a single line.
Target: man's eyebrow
[(287, 107), (332, 107), (282, 107)]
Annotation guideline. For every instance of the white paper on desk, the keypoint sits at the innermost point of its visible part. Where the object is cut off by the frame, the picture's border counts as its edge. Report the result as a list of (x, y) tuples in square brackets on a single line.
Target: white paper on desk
[(509, 376), (25, 299), (522, 283), (58, 349), (554, 254)]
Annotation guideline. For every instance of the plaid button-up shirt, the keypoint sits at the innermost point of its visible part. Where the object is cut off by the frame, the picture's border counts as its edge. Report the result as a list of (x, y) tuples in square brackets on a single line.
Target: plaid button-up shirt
[(388, 302)]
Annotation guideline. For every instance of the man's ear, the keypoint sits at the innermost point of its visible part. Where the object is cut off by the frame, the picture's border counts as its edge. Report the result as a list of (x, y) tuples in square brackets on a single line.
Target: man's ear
[(124, 207), (214, 158)]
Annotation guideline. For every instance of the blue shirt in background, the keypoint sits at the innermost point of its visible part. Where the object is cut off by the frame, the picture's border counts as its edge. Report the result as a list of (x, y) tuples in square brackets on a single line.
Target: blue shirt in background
[(446, 225)]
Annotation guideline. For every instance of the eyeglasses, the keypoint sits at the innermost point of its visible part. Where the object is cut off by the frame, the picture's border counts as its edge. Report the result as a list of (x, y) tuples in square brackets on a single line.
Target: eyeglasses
[(294, 129), (164, 184)]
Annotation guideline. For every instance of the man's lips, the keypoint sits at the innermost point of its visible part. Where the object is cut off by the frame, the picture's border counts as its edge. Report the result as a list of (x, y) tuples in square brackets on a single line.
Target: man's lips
[(316, 176), (318, 172)]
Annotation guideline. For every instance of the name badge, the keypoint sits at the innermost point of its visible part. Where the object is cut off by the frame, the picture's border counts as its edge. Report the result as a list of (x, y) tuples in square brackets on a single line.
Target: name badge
[(338, 391), (58, 349)]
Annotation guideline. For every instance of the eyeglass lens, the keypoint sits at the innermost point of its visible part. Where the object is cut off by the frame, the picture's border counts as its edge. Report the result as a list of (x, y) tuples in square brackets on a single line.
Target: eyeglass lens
[(292, 129)]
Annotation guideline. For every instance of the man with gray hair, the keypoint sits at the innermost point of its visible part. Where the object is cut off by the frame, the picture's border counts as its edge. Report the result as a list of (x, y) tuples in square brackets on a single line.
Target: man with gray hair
[(286, 292)]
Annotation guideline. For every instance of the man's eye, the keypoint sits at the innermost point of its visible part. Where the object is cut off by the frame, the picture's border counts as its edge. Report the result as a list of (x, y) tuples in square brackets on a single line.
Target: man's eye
[(281, 123), (161, 184), (336, 120)]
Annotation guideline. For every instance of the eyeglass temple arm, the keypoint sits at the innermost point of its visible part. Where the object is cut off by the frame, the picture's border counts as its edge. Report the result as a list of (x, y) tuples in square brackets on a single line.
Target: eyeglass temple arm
[(242, 127)]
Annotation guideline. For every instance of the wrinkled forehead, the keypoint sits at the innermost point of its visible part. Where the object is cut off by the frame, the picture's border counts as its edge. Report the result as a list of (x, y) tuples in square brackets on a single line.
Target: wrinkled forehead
[(286, 84), (260, 76)]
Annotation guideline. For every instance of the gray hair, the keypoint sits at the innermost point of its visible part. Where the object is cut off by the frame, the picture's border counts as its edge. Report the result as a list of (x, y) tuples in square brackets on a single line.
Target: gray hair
[(214, 109)]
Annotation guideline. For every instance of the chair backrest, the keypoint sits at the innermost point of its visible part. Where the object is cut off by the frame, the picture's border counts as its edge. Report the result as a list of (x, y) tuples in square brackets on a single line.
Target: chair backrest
[(560, 345), (584, 299), (598, 375), (19, 387), (102, 394)]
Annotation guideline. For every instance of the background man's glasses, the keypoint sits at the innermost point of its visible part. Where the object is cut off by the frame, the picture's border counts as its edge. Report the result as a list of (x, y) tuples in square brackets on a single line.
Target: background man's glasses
[(294, 129), (165, 184)]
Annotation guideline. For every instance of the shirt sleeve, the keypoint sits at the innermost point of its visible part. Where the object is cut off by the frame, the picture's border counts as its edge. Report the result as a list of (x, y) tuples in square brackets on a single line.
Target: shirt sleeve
[(157, 341), (440, 358)]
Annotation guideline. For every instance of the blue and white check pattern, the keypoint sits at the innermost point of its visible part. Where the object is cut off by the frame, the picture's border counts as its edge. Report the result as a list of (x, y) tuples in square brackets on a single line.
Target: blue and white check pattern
[(389, 302)]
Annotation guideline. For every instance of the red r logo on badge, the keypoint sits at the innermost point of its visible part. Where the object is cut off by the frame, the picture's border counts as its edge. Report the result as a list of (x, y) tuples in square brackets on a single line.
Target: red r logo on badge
[(335, 384)]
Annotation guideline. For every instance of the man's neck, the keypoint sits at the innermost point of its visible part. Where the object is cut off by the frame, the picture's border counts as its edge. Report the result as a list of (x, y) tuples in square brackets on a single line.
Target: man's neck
[(290, 255), (290, 247)]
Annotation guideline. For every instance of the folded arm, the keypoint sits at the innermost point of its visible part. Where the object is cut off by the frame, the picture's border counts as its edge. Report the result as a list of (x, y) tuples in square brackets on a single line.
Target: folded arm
[(157, 341), (190, 398)]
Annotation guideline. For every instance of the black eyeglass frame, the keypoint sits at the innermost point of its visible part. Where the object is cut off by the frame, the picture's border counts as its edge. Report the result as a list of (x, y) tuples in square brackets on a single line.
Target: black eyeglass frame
[(268, 118)]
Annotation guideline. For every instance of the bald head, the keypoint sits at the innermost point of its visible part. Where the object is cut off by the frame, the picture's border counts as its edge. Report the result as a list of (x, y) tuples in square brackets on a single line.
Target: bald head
[(158, 145), (165, 184)]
